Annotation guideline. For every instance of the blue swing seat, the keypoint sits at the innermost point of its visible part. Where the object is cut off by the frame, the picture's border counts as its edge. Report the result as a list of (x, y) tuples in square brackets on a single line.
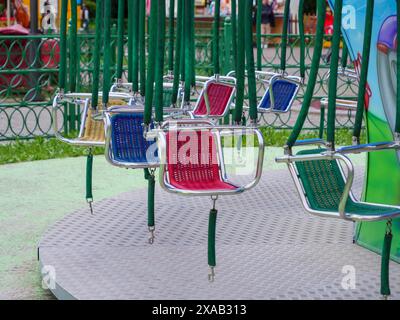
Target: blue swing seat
[(284, 92), (126, 144)]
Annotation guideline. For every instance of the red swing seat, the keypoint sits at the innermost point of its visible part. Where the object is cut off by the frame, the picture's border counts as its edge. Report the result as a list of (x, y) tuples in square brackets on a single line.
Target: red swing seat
[(197, 168), (220, 96)]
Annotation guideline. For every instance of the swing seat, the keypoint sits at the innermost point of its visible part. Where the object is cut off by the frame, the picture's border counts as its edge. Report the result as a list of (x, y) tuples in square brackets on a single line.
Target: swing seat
[(284, 93), (192, 162), (125, 143), (216, 98), (323, 188), (91, 132)]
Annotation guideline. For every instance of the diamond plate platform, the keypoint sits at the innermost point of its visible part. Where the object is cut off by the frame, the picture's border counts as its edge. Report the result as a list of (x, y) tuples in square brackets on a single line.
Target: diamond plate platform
[(267, 248)]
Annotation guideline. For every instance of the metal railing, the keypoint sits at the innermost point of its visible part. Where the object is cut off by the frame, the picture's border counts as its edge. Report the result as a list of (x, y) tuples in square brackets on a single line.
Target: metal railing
[(29, 76)]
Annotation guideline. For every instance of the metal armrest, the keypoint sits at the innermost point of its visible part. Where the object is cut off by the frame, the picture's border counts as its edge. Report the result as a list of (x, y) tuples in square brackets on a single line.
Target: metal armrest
[(307, 142), (377, 146), (343, 103)]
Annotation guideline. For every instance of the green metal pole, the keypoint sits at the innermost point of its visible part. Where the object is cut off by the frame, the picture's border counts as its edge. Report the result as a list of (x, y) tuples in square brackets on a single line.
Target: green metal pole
[(234, 32), (151, 64), (63, 45), (240, 63), (120, 57), (142, 46), (302, 40), (73, 46), (333, 79), (159, 92), (107, 52), (364, 71), (171, 32), (131, 36), (97, 54), (286, 16), (251, 76), (187, 34), (216, 26), (178, 54), (258, 35), (135, 47)]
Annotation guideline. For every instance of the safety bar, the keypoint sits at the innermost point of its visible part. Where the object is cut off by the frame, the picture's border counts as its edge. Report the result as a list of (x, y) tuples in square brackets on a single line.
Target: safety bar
[(108, 150), (216, 130)]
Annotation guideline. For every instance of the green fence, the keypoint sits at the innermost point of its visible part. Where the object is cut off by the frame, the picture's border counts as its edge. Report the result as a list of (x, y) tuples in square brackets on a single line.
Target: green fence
[(29, 72)]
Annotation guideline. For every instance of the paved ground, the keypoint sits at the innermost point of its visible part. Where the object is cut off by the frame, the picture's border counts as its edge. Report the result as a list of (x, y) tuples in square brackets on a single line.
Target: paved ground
[(35, 195)]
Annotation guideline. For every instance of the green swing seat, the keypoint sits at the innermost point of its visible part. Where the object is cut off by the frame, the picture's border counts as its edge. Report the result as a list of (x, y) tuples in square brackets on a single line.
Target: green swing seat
[(324, 185)]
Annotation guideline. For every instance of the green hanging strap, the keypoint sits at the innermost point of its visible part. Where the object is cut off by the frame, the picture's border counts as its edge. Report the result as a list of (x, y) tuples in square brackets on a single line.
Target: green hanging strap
[(131, 35), (135, 46), (345, 56), (149, 176), (216, 26), (187, 36), (258, 35), (73, 47), (234, 32), (387, 243), (89, 174), (184, 42), (142, 46), (313, 75), (178, 50), (285, 35), (362, 87), (302, 41), (159, 89), (120, 49), (333, 79), (240, 64), (397, 124), (192, 46), (171, 32), (63, 46), (107, 53), (251, 76), (97, 54), (212, 226), (151, 65)]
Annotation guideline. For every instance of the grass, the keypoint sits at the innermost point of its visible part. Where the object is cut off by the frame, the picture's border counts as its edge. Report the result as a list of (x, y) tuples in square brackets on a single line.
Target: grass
[(40, 149), (43, 149)]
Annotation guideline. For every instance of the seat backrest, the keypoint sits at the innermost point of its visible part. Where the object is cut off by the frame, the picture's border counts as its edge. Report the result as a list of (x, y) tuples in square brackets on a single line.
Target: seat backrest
[(322, 181), (284, 94), (127, 141), (191, 158), (219, 96)]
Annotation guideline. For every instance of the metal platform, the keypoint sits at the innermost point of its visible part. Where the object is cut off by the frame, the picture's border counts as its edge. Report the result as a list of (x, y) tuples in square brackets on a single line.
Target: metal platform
[(267, 248)]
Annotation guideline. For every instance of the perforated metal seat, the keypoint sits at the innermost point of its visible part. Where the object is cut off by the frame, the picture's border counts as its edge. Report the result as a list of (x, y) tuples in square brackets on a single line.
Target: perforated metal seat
[(125, 142), (284, 94), (198, 169), (324, 185)]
